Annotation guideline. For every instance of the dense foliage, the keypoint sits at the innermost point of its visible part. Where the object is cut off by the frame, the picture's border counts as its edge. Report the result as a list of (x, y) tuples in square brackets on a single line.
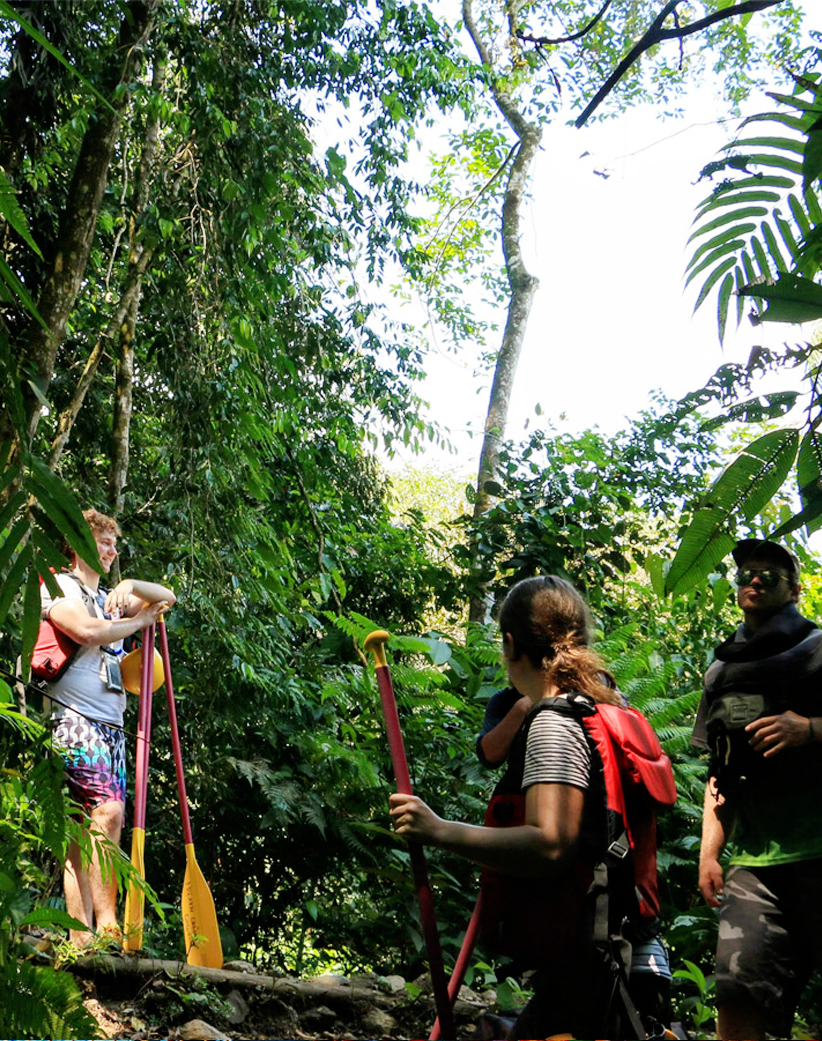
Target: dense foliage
[(186, 341)]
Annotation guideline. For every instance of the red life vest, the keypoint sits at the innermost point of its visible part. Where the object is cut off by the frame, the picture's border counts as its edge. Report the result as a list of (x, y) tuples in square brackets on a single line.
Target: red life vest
[(631, 776)]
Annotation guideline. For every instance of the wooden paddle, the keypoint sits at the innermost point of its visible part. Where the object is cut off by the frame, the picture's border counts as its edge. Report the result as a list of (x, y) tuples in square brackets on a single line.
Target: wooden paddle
[(135, 895), (375, 642), (202, 934)]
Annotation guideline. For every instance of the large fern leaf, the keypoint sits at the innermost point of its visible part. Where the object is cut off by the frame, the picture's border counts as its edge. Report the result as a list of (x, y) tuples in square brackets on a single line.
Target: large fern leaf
[(766, 208), (740, 492), (37, 1001)]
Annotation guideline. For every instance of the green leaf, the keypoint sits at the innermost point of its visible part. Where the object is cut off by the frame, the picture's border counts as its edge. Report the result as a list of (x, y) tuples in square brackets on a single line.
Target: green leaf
[(756, 181), (792, 101), (12, 507), (712, 279), (786, 231), (52, 916), (717, 254), (720, 593), (773, 246), (726, 236), (50, 554), (654, 566), (809, 478), (31, 618), (782, 162), (62, 510), (7, 11), (747, 264), (740, 492), (10, 209), (739, 198), (722, 302), (13, 581), (814, 209), (789, 298), (20, 291), (781, 144), (726, 218), (799, 215), (13, 540), (812, 160), (10, 392), (739, 280), (761, 257)]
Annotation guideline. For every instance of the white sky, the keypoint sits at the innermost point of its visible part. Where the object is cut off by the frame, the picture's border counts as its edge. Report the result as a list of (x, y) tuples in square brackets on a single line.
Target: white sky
[(611, 321)]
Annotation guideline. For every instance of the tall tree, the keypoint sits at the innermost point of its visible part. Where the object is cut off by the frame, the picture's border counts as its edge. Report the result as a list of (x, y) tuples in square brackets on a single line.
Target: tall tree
[(536, 60)]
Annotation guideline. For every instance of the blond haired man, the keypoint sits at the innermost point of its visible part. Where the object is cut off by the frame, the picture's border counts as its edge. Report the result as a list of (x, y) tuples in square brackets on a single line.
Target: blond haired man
[(87, 718)]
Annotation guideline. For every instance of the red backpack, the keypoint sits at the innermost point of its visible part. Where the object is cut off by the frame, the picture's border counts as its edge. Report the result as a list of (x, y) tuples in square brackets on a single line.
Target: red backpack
[(54, 651), (617, 873)]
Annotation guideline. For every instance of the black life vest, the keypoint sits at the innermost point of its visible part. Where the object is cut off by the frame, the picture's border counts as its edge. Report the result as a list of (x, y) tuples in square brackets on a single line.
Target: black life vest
[(778, 669)]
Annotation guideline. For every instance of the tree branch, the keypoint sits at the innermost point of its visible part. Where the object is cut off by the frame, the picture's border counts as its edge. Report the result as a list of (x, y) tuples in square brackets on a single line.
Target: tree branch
[(544, 41), (656, 34)]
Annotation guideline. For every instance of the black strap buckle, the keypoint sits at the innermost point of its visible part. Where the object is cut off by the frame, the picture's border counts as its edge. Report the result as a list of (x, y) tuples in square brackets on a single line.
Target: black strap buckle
[(620, 848)]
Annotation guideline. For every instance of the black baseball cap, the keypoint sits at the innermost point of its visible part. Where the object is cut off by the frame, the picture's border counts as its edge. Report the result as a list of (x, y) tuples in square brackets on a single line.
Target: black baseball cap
[(762, 549)]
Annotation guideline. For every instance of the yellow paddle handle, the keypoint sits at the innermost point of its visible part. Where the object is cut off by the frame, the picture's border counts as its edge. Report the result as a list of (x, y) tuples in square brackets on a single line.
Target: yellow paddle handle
[(375, 642)]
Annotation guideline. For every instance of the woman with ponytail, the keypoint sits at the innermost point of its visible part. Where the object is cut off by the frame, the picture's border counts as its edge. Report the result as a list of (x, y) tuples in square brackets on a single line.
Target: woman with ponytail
[(550, 843)]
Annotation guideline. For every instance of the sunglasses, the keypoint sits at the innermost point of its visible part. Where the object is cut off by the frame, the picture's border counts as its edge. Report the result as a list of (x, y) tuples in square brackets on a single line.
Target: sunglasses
[(769, 577)]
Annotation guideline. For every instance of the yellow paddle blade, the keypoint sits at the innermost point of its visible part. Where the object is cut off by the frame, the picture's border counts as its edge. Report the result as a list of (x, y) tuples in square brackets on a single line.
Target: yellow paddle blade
[(131, 667), (135, 897), (202, 934)]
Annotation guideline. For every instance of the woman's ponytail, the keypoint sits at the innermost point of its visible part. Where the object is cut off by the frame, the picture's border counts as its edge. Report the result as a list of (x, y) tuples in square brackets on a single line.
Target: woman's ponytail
[(550, 623)]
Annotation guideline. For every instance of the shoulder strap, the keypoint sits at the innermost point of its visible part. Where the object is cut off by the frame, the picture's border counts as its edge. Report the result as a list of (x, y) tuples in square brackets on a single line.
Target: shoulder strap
[(88, 599)]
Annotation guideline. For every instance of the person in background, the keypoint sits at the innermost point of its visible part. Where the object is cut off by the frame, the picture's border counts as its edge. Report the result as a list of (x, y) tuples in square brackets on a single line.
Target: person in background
[(87, 714), (650, 978), (761, 720), (545, 625), (504, 714)]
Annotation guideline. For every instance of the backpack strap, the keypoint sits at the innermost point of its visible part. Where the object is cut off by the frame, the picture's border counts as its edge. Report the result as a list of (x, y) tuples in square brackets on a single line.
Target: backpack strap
[(88, 599)]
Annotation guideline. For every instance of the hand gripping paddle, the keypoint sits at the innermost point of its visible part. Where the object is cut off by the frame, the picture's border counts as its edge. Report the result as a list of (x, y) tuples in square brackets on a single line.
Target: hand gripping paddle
[(375, 642)]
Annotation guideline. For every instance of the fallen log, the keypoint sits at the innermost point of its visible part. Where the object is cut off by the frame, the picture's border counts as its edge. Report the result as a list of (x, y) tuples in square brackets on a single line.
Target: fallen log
[(319, 991)]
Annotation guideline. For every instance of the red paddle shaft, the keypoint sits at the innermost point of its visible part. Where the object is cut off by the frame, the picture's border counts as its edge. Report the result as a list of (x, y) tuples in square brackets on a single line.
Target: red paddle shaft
[(458, 975), (175, 738), (418, 866), (143, 729)]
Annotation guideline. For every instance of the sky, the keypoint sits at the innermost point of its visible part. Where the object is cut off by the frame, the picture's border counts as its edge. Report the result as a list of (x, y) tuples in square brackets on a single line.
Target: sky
[(611, 321)]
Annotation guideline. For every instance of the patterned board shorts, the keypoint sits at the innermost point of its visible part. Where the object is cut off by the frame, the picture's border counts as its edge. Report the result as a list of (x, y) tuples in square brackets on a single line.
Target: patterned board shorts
[(95, 756), (770, 938)]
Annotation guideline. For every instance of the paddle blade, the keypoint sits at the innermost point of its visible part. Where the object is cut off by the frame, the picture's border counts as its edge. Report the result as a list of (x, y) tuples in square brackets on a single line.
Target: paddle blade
[(202, 934), (135, 897)]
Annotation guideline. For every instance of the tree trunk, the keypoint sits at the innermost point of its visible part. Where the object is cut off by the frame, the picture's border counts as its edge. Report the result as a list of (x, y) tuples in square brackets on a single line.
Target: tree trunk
[(79, 219), (138, 258), (67, 417), (122, 410), (523, 286)]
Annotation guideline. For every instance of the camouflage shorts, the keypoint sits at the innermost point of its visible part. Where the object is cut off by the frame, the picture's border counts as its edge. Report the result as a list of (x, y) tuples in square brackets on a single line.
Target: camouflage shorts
[(770, 938)]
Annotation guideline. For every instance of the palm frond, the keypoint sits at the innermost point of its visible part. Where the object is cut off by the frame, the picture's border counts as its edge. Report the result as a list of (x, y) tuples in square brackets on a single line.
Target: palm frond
[(765, 208)]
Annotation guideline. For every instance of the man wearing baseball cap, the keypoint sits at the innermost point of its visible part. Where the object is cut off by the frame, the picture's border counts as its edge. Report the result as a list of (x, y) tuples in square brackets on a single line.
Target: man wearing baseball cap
[(761, 720)]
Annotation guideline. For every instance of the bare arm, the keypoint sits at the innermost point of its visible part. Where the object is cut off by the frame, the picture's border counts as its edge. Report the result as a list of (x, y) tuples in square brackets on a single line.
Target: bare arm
[(497, 742), (129, 596), (711, 880), (539, 847), (72, 618)]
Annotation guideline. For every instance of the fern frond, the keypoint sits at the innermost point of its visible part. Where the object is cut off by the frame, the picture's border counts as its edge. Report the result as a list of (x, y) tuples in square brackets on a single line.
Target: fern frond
[(770, 180), (37, 1001)]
